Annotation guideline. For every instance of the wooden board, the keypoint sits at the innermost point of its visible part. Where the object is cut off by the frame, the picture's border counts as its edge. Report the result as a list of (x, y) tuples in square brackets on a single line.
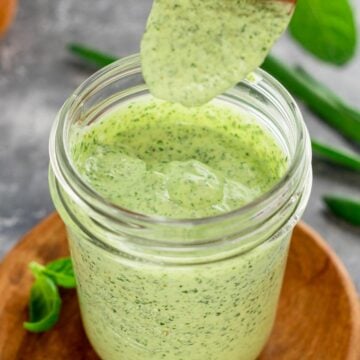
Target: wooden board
[(318, 316)]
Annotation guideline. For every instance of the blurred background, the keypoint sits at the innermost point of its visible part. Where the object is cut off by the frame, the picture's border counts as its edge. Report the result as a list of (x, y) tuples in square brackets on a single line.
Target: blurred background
[(37, 74)]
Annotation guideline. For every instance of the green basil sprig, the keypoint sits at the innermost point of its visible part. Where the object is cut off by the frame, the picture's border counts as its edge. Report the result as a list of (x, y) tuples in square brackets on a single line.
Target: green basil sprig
[(45, 305), (60, 271), (45, 300)]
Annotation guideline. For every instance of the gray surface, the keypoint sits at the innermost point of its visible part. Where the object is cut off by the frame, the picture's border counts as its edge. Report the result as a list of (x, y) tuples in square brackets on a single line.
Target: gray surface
[(36, 76)]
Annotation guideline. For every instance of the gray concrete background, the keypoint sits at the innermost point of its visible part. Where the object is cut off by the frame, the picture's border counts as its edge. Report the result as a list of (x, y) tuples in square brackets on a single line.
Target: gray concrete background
[(37, 74)]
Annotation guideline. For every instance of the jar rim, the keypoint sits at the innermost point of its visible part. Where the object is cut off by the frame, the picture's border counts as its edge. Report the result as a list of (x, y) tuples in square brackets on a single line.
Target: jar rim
[(125, 67)]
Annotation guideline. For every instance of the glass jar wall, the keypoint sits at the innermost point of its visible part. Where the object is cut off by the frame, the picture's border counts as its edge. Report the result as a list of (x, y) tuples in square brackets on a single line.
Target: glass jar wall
[(154, 288)]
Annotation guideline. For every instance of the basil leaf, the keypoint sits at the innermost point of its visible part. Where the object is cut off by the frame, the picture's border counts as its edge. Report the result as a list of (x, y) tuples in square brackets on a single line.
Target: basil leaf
[(62, 272), (347, 209), (326, 28), (45, 305)]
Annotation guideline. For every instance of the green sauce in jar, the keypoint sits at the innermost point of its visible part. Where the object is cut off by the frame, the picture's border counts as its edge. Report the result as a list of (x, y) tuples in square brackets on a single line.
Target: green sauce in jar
[(159, 158)]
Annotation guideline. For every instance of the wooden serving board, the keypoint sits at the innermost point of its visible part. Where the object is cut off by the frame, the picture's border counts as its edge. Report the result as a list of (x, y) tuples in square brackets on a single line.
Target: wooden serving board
[(318, 316)]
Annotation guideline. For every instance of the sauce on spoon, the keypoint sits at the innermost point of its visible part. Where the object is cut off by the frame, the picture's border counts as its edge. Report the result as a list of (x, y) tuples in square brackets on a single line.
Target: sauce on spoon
[(193, 50)]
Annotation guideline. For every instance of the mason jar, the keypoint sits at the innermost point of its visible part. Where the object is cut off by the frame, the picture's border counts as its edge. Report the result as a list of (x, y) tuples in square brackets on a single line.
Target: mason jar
[(154, 288)]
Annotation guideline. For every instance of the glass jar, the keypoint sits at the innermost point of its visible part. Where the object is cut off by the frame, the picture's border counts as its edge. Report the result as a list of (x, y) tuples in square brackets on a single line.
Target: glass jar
[(154, 288)]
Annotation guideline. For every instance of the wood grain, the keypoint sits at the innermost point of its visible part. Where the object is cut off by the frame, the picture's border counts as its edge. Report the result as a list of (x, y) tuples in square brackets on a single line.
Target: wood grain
[(318, 316)]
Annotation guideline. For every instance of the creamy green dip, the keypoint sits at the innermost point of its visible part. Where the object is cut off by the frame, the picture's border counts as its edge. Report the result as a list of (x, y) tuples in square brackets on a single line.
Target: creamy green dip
[(160, 158), (193, 50), (134, 310)]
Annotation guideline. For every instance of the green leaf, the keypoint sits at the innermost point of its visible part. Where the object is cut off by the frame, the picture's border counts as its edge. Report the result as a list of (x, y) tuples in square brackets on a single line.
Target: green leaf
[(344, 208), (62, 272), (320, 100), (326, 28), (336, 156), (92, 56), (45, 305), (36, 268)]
